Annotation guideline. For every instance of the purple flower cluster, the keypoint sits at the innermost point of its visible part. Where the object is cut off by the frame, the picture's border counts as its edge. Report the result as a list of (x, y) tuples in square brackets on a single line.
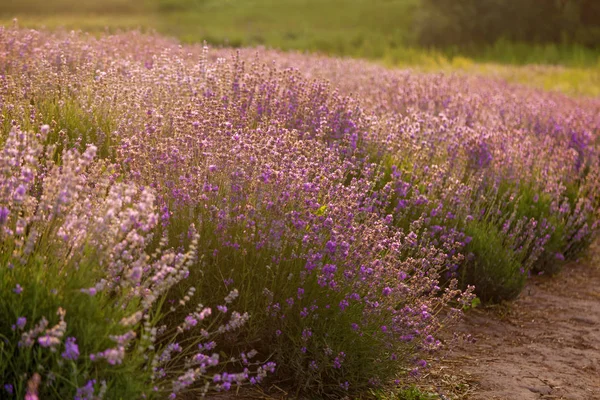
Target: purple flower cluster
[(342, 211)]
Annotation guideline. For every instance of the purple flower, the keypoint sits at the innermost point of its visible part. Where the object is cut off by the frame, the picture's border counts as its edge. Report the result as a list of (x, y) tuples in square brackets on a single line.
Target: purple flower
[(20, 193), (191, 321), (344, 304), (21, 321), (9, 388), (4, 213), (223, 309), (18, 289), (306, 333), (86, 392), (71, 349), (48, 341), (331, 246)]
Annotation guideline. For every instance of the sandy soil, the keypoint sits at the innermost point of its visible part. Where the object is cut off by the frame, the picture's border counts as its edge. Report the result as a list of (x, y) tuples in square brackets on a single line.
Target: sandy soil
[(544, 345)]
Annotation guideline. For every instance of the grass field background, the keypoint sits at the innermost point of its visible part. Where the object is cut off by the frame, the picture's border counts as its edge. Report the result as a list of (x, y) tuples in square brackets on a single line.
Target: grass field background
[(382, 30)]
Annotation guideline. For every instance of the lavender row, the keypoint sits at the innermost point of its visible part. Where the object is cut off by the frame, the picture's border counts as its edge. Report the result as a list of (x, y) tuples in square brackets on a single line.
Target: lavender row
[(198, 220)]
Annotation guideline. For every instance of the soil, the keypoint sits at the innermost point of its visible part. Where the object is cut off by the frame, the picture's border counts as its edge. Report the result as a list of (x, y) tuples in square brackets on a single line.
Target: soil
[(544, 345)]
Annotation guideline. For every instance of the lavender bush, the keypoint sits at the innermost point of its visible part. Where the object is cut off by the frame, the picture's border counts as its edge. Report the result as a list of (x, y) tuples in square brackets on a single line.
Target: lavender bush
[(180, 221)]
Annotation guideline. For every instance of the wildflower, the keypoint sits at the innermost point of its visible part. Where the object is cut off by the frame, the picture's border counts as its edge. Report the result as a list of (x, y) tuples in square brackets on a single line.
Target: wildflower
[(86, 392), (48, 341), (232, 296), (331, 247), (337, 362), (71, 349), (9, 388), (132, 320), (113, 356), (190, 322), (21, 321), (32, 387), (18, 289), (343, 304), (222, 309), (306, 334), (19, 194), (4, 213), (91, 291)]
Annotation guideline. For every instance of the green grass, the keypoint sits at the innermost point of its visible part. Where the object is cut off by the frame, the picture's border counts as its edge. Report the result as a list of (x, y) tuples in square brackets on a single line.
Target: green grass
[(381, 30), (409, 393), (342, 27)]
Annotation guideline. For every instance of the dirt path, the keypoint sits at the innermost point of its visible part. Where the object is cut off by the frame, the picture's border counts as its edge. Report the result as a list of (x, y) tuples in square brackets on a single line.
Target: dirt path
[(545, 345)]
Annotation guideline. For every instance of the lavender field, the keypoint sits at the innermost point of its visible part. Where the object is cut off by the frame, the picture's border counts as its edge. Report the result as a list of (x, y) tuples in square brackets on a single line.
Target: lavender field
[(177, 221)]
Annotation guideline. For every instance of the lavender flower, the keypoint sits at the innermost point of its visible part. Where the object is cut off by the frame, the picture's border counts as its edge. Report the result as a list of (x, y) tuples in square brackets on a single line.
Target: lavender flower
[(71, 349)]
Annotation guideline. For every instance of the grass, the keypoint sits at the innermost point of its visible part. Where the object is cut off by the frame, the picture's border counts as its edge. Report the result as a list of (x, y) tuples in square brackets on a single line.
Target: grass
[(342, 27)]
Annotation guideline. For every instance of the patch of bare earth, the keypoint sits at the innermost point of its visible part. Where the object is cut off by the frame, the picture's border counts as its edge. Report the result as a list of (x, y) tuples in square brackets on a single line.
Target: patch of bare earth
[(544, 345)]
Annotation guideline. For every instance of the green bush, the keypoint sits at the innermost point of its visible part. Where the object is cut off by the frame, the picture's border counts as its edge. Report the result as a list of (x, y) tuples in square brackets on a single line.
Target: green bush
[(478, 22), (532, 204), (90, 319), (492, 265)]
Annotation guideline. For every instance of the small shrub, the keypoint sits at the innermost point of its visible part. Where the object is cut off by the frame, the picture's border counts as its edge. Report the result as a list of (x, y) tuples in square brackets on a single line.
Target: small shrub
[(491, 264)]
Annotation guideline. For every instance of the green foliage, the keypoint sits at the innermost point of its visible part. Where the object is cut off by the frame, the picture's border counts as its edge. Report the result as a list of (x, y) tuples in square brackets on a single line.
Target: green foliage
[(408, 393), (483, 22), (37, 7), (532, 204), (492, 265), (267, 276), (77, 126), (90, 319)]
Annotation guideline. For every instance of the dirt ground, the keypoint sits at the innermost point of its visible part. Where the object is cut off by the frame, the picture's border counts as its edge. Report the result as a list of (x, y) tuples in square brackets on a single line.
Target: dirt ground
[(544, 345)]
